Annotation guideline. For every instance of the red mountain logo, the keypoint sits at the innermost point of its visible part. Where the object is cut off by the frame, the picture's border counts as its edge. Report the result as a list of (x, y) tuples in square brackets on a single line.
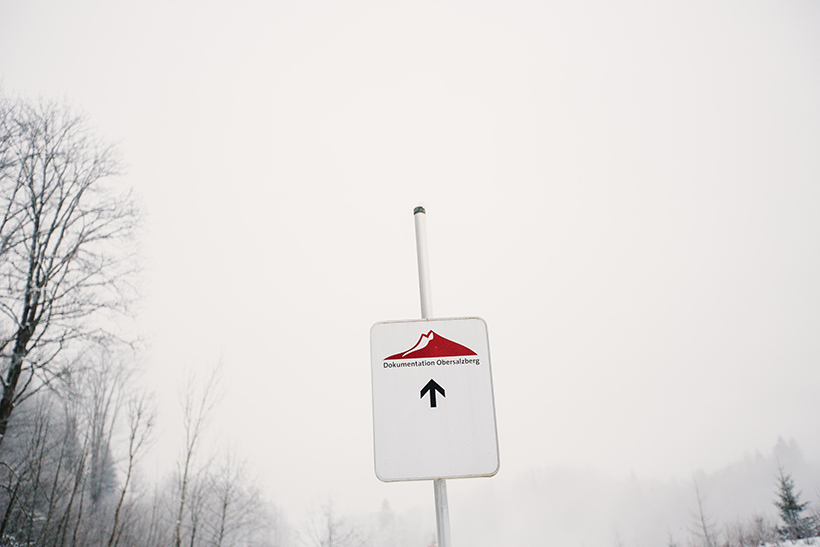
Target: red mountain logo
[(433, 345)]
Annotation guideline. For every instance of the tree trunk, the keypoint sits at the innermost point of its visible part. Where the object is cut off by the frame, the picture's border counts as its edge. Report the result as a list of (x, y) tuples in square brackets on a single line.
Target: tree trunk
[(10, 384)]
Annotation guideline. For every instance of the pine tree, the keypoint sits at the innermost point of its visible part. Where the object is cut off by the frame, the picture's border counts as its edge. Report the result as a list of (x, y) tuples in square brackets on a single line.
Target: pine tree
[(790, 507)]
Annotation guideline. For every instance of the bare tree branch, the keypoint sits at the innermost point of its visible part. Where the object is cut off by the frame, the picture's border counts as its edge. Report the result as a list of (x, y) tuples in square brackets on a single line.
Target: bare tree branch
[(64, 229)]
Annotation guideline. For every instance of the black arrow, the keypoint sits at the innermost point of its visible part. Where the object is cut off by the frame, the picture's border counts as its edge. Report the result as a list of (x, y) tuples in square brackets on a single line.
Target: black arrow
[(432, 387)]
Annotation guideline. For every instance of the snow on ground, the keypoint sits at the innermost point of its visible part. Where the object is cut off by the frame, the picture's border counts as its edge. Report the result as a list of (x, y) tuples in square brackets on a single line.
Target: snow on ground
[(795, 543)]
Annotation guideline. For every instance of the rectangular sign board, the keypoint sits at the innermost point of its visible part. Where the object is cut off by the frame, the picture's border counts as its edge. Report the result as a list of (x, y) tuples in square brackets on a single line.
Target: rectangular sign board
[(433, 407)]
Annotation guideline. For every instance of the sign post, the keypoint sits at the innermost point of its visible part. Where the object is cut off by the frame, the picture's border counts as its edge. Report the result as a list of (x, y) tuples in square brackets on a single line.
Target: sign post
[(439, 485), (433, 407)]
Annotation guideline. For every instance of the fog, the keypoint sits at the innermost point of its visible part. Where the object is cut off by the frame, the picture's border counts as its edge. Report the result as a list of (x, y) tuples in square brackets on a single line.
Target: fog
[(579, 506), (627, 194)]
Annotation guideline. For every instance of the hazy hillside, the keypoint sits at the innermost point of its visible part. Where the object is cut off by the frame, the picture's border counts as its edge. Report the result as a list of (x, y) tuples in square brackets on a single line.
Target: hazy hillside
[(576, 506)]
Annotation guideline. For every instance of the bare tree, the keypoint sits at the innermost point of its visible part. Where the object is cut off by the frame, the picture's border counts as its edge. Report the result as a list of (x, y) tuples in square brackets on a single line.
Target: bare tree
[(103, 388), (325, 529), (199, 490), (141, 417), (61, 233), (198, 403), (704, 527), (276, 531), (758, 531), (45, 461), (235, 506), (12, 211), (21, 474)]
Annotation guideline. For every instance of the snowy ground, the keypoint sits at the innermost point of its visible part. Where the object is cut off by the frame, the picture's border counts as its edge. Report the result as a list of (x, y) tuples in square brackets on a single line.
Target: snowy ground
[(797, 543)]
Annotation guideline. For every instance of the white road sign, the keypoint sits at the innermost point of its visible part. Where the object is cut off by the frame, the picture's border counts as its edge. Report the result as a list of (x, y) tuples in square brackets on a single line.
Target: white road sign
[(433, 408)]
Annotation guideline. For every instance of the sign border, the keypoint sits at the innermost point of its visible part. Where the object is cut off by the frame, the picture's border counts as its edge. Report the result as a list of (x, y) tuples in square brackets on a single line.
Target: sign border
[(492, 397)]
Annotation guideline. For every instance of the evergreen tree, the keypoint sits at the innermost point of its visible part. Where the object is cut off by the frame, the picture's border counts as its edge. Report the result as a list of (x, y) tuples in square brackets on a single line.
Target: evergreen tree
[(791, 509)]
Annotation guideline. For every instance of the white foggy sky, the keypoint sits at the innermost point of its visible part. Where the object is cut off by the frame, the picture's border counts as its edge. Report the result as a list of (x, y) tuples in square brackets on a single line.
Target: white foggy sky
[(627, 193)]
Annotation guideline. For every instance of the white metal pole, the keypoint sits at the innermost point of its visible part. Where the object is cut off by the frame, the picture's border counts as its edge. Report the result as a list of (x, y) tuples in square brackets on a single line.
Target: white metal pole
[(420, 218), (439, 485), (442, 513)]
